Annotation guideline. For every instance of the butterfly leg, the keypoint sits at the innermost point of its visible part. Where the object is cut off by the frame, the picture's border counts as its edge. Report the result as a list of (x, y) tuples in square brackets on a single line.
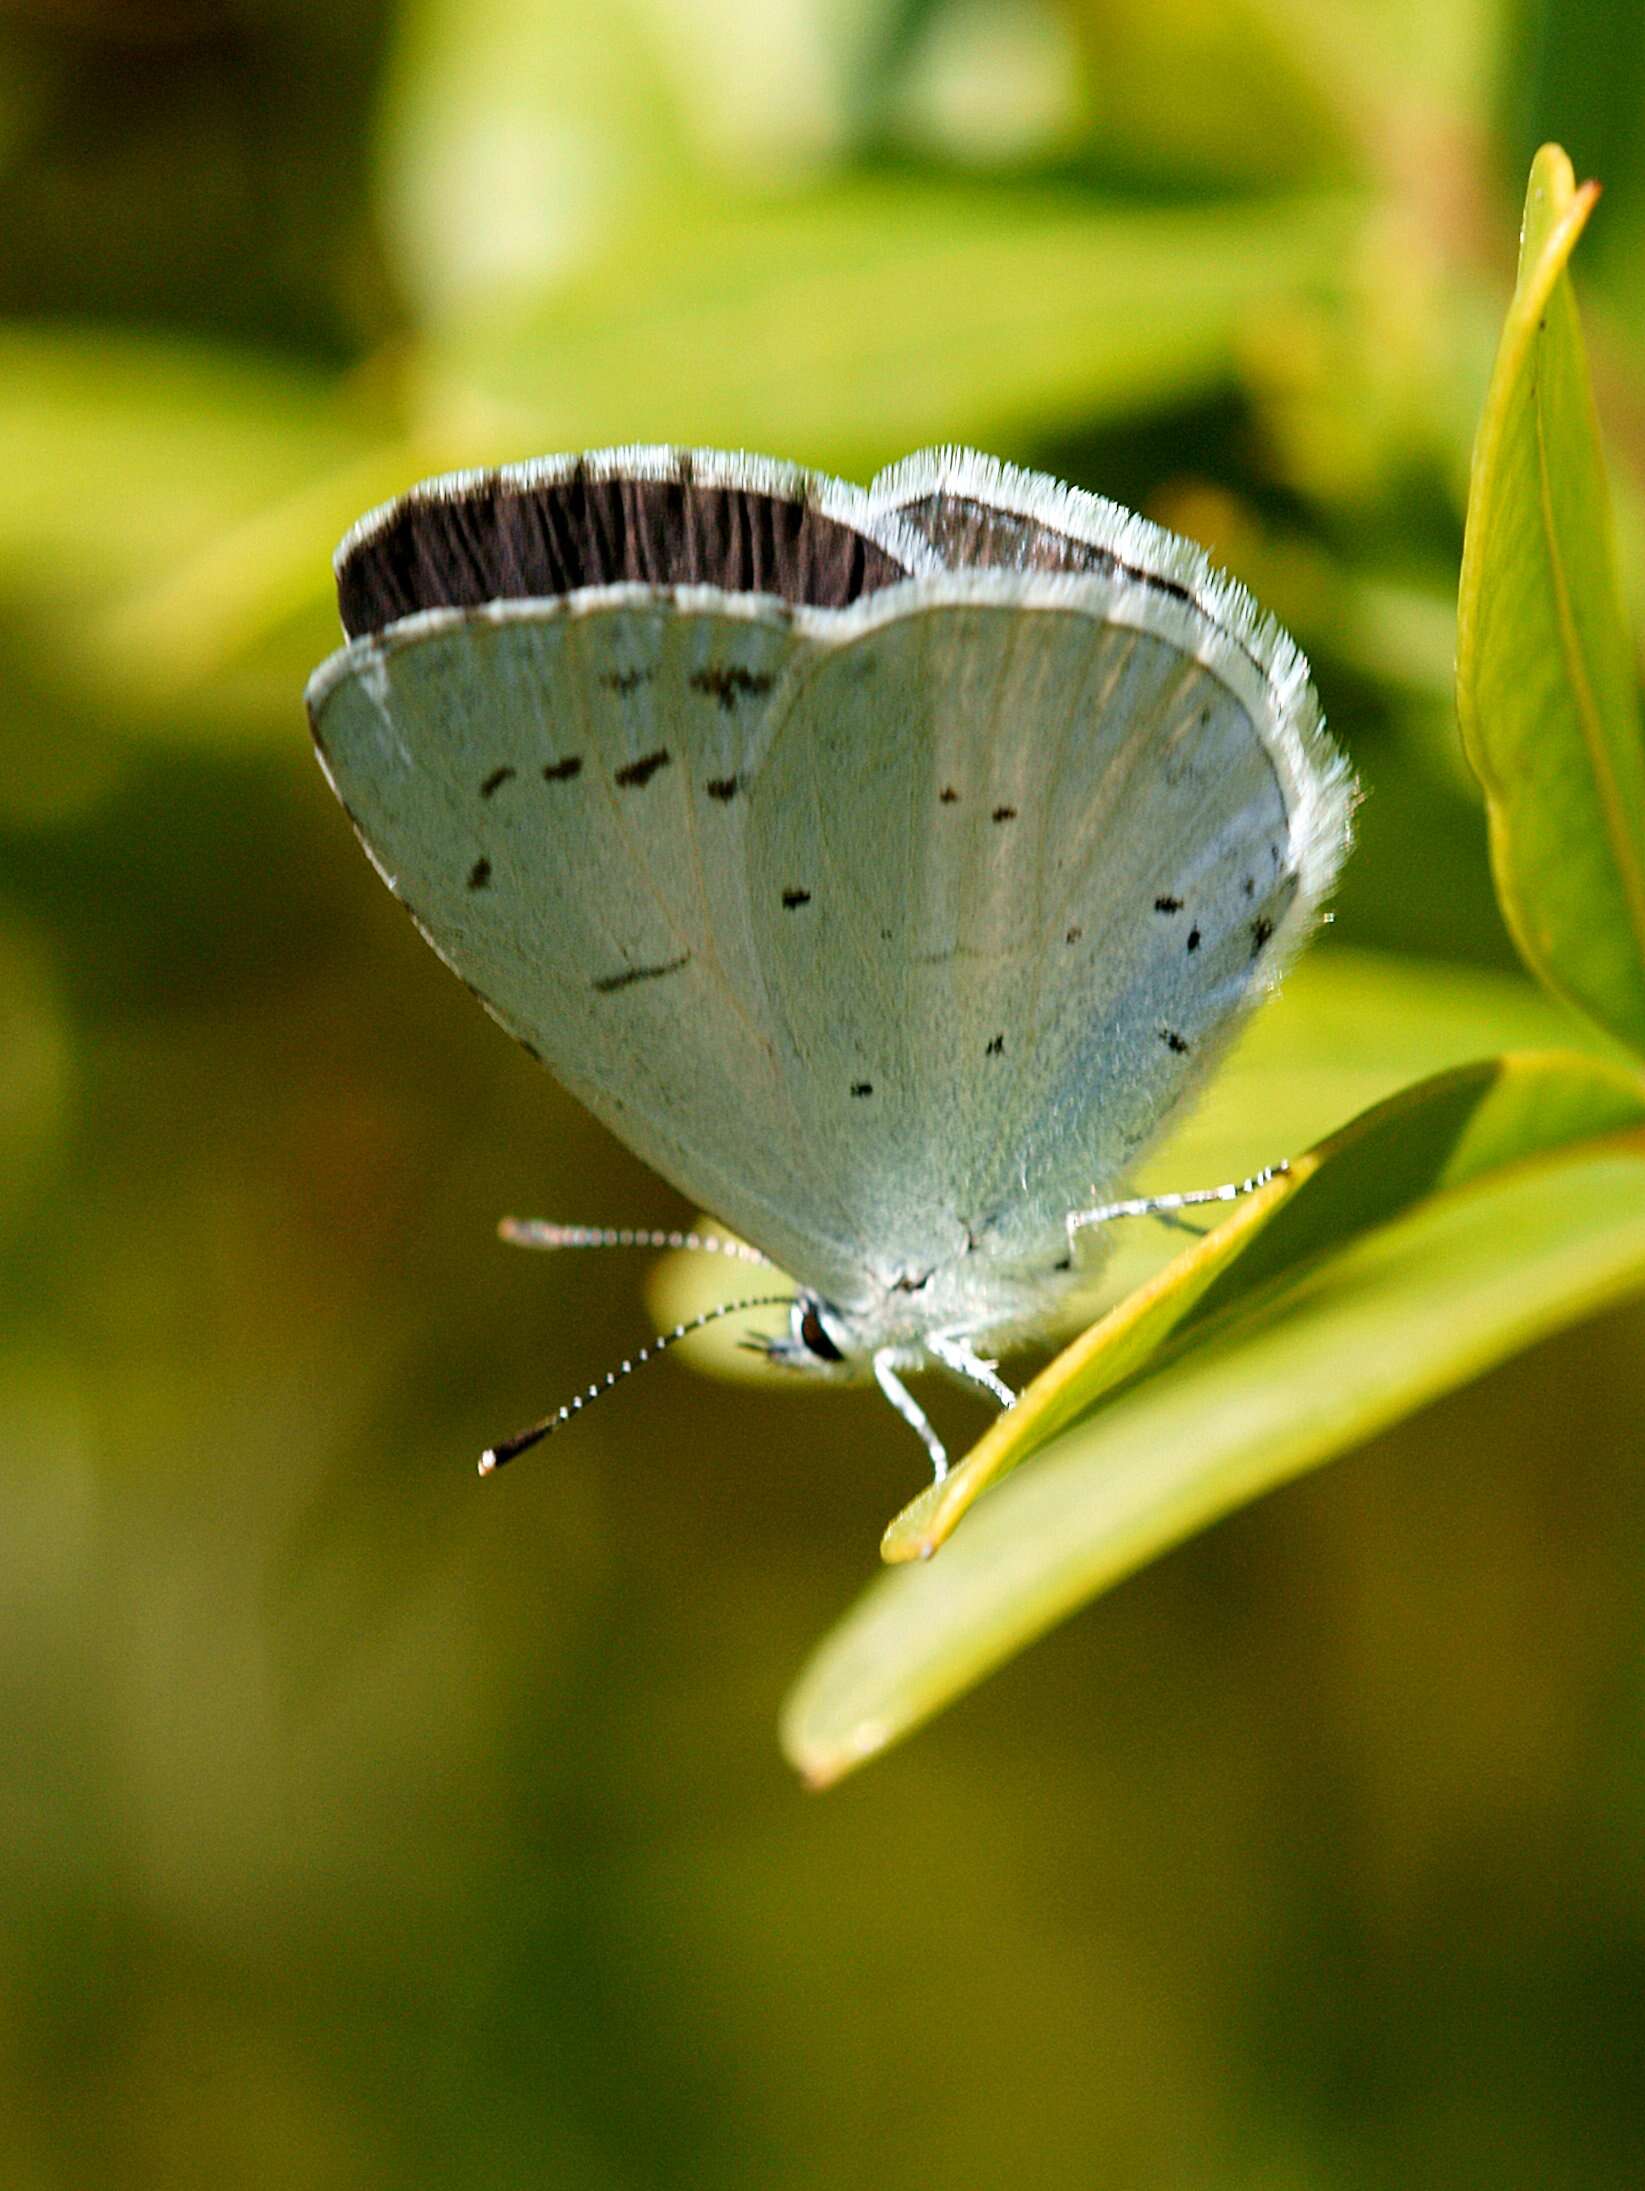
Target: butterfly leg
[(911, 1412), (954, 1354), (1165, 1205)]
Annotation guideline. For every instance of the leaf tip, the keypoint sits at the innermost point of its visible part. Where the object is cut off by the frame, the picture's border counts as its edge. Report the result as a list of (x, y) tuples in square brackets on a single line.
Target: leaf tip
[(823, 1765)]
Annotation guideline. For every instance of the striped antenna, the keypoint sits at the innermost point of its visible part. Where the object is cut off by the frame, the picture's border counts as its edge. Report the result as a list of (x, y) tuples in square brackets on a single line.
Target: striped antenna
[(498, 1456), (543, 1232)]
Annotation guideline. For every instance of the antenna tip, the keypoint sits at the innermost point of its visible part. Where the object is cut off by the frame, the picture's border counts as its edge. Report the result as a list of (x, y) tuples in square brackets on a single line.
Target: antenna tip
[(488, 1462)]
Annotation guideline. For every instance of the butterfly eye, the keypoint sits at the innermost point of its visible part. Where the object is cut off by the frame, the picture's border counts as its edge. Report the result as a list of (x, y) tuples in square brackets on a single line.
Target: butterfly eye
[(815, 1337)]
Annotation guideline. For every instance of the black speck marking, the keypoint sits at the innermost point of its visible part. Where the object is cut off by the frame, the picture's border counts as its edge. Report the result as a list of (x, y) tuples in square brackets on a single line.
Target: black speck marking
[(722, 788), (625, 681), (729, 682), (1167, 905), (1249, 886), (1073, 935), (561, 772), (1004, 814), (1063, 1262), (1204, 717), (479, 875), (639, 773), (1193, 939), (996, 1047), (862, 1087), (794, 898), (948, 795), (1173, 1041), (1261, 929), (608, 984), (495, 781)]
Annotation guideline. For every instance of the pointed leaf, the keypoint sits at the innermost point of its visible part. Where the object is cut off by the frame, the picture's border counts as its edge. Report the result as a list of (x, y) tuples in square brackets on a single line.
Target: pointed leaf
[(1305, 1352), (1426, 1139), (1545, 669)]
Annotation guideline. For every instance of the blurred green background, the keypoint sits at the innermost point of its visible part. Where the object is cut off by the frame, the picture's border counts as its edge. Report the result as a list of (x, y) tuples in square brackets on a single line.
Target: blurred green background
[(363, 1827)]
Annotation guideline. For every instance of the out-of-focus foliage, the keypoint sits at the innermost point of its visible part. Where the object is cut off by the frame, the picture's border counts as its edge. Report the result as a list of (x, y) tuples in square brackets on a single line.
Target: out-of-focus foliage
[(362, 1826)]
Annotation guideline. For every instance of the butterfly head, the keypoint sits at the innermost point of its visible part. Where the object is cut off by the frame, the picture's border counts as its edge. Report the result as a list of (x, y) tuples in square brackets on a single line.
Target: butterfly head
[(818, 1340)]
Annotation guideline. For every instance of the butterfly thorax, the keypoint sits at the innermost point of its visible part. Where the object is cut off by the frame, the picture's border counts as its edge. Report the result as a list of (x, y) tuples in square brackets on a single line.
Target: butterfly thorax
[(914, 1317)]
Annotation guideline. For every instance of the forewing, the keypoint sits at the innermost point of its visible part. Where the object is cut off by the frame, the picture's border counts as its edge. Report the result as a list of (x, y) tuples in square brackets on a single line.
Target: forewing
[(560, 794)]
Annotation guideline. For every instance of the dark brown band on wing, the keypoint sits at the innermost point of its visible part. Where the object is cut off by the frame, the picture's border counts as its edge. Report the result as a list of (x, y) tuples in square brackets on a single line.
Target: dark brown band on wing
[(504, 540), (973, 535)]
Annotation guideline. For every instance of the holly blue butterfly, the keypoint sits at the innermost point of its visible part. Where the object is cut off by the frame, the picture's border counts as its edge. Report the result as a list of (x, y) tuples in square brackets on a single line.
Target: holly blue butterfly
[(886, 867)]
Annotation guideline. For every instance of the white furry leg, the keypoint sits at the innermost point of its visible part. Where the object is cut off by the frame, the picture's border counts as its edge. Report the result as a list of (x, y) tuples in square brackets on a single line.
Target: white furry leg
[(911, 1412), (954, 1354)]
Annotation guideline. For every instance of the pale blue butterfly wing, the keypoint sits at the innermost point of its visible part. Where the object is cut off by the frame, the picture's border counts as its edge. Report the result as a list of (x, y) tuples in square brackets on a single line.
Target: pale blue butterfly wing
[(889, 919)]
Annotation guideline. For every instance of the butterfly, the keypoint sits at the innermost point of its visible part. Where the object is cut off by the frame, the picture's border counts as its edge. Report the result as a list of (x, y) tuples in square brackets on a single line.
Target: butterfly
[(887, 867)]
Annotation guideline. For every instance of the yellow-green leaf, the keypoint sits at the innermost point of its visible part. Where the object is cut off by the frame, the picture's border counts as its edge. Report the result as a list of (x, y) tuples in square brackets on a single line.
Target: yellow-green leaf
[(1452, 1226), (1545, 669), (1435, 1136)]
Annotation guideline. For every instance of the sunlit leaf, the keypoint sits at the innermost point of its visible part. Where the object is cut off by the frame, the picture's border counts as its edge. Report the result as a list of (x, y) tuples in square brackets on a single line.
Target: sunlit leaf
[(1545, 669), (1426, 1139), (1471, 1217)]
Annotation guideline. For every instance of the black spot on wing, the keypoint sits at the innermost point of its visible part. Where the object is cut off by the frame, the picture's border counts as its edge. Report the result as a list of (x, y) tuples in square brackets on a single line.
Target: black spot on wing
[(722, 787), (495, 781), (795, 898), (637, 774), (862, 1087), (1193, 939), (625, 681), (996, 1047), (561, 772), (1167, 905), (1249, 886), (1004, 814), (1074, 934), (1173, 1041), (730, 682), (1261, 929), (608, 984), (479, 875), (948, 795)]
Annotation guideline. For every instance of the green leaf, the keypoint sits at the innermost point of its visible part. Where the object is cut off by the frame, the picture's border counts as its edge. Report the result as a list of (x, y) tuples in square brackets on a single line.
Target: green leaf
[(1450, 1227), (1545, 668), (1424, 1140)]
